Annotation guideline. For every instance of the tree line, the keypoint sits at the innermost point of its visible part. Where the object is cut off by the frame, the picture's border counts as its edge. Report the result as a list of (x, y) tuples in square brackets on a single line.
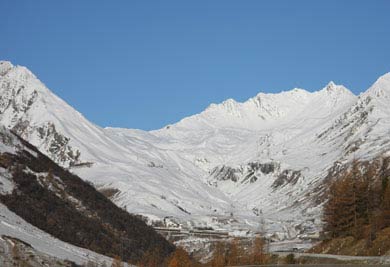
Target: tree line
[(238, 253), (224, 253)]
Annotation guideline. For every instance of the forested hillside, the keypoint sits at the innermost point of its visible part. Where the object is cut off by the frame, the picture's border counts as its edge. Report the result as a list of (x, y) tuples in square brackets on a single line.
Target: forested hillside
[(358, 206)]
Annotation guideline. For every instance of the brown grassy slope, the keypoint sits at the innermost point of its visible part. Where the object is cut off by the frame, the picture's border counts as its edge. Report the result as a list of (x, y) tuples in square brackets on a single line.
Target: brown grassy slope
[(356, 247)]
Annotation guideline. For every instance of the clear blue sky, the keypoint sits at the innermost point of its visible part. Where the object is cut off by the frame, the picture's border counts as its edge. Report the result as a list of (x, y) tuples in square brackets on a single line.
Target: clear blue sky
[(145, 64)]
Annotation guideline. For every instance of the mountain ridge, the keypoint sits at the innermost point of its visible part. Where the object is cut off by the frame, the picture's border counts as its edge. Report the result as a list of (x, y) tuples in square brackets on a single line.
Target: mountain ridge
[(267, 106)]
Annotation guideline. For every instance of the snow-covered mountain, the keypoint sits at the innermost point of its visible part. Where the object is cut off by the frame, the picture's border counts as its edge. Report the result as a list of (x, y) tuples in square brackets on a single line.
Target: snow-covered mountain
[(263, 160)]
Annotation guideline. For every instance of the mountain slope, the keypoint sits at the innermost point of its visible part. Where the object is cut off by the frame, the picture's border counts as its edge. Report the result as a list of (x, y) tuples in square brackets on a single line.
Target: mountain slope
[(32, 111), (42, 248), (61, 204), (261, 160)]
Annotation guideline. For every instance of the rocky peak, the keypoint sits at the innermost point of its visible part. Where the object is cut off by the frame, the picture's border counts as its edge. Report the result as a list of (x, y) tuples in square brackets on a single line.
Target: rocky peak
[(381, 88), (5, 66), (336, 89)]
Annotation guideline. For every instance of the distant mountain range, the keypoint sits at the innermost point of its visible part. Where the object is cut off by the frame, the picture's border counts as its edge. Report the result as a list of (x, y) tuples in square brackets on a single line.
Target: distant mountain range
[(258, 165)]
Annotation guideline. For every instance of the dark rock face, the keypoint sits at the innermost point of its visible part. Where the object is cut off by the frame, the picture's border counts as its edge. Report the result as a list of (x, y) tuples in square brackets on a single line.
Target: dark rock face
[(254, 168), (225, 173), (58, 145), (251, 172), (265, 168), (287, 177), (5, 137), (15, 100)]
